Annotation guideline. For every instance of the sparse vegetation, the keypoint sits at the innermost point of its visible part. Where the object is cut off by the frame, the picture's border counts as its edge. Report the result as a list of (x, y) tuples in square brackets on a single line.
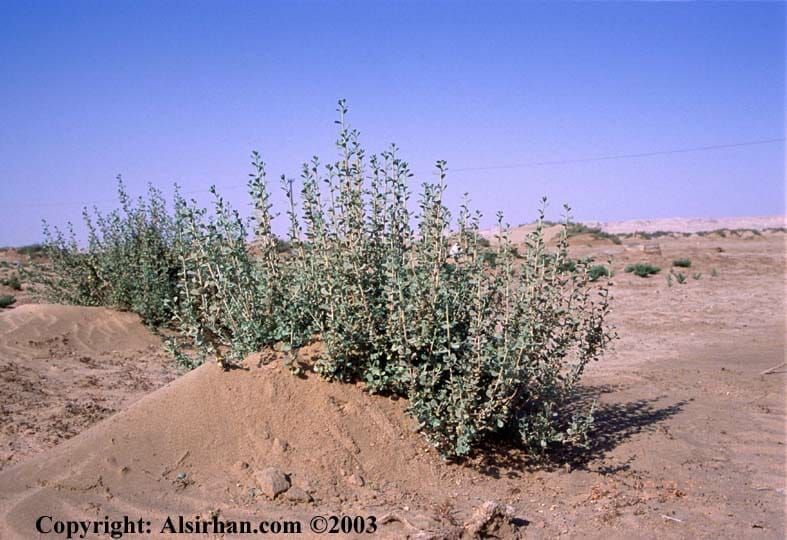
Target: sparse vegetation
[(13, 282), (575, 229), (682, 263), (482, 346), (30, 250), (129, 263), (647, 235), (7, 300), (482, 241), (642, 270), (598, 271)]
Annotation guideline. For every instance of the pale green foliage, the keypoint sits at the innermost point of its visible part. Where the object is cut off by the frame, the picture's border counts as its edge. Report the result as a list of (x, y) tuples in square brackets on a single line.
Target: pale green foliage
[(225, 294), (477, 349), (480, 345), (129, 262)]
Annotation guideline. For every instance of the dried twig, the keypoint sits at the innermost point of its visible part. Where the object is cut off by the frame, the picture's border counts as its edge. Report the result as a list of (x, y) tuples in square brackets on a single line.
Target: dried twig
[(773, 369), (395, 516), (672, 518)]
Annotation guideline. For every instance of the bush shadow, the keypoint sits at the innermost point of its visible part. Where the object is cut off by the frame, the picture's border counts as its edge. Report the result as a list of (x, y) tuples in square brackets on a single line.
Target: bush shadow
[(613, 424)]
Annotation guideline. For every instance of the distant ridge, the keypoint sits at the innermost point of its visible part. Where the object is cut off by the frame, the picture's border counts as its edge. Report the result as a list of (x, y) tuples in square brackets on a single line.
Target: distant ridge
[(679, 224), (689, 225)]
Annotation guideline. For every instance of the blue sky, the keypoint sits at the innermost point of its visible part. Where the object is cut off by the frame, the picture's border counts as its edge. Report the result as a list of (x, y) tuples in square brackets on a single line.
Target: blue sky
[(167, 92)]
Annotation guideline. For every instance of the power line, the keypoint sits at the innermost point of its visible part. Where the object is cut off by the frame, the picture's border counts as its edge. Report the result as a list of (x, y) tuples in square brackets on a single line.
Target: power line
[(467, 169), (617, 156)]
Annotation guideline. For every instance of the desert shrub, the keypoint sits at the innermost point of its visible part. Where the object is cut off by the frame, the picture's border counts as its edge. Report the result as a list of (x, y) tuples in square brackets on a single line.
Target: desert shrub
[(682, 263), (569, 266), (13, 282), (129, 262), (597, 271), (481, 346), (490, 258), (680, 277), (514, 250), (225, 296), (282, 246), (481, 241), (6, 300), (478, 347), (642, 270), (651, 235), (697, 275)]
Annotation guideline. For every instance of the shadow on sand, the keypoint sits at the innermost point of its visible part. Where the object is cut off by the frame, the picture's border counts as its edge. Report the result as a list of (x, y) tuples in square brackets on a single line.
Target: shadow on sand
[(613, 424)]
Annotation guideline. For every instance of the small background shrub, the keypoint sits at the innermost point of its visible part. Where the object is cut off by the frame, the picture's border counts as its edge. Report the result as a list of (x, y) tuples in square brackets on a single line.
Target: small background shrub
[(575, 229), (682, 263), (6, 300), (642, 270), (12, 282), (597, 271)]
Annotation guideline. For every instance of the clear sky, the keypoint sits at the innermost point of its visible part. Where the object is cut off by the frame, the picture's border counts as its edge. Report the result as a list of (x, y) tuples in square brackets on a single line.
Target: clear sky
[(166, 91)]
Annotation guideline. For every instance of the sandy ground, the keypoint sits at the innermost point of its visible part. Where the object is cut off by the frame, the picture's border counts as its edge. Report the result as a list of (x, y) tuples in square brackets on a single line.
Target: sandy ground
[(64, 368), (689, 443)]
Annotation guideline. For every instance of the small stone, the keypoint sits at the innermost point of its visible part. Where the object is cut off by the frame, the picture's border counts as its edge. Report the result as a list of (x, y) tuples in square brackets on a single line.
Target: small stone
[(356, 480), (296, 494), (272, 481), (491, 518), (182, 476), (280, 446)]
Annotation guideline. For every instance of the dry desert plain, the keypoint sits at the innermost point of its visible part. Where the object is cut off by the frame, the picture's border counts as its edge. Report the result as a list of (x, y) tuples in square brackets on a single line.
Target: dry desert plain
[(689, 441)]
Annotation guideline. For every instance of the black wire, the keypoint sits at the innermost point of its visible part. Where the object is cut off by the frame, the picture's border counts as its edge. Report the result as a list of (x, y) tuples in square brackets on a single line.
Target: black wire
[(618, 156)]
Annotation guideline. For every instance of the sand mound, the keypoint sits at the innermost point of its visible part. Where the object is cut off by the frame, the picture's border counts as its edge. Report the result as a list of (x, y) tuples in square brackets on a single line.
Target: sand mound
[(195, 445), (63, 368), (84, 329), (518, 235)]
